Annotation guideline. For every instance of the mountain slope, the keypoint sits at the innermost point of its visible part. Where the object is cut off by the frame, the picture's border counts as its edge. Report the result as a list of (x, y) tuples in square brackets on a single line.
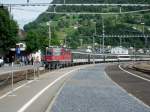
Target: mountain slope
[(73, 28)]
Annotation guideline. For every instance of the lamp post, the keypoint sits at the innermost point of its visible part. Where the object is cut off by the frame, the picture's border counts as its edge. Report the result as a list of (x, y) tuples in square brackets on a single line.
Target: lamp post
[(49, 32)]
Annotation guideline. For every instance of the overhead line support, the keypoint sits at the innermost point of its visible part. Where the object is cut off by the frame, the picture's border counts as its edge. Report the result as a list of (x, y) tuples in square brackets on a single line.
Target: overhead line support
[(50, 4)]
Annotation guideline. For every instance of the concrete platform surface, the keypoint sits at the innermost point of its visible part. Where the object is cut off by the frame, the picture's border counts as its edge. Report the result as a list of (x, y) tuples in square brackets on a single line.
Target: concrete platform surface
[(91, 90), (35, 95)]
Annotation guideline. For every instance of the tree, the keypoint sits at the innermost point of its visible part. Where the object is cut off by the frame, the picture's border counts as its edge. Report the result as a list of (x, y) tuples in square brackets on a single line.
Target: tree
[(32, 42), (8, 31)]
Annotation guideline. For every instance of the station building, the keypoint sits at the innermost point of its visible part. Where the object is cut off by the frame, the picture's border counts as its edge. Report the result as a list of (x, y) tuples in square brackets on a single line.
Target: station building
[(119, 50)]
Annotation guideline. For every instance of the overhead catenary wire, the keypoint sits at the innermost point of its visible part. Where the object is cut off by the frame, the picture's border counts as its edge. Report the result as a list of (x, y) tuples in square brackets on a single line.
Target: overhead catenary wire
[(83, 4), (17, 7), (122, 36), (98, 13), (85, 13), (27, 10)]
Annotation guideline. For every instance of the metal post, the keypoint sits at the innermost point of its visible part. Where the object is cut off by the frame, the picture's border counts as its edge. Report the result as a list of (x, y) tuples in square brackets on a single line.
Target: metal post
[(55, 9), (34, 70), (12, 81), (103, 35), (38, 72), (120, 10), (81, 42), (145, 41), (65, 44), (99, 45), (93, 49), (143, 29), (120, 41), (12, 78), (44, 68), (64, 1), (94, 44), (49, 32), (145, 38), (26, 75), (49, 68), (135, 56)]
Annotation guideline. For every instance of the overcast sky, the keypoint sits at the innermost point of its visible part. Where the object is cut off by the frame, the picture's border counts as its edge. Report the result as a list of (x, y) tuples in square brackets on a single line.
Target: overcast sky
[(24, 15)]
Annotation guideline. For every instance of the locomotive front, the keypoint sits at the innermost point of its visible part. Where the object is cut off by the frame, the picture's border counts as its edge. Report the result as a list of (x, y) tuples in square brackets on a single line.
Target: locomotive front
[(56, 57)]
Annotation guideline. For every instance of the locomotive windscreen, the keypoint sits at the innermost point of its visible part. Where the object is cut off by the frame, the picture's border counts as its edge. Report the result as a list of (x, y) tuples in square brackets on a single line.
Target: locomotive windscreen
[(53, 51), (56, 52)]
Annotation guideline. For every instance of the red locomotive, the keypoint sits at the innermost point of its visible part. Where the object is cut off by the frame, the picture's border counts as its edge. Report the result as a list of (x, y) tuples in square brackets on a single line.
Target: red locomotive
[(56, 57)]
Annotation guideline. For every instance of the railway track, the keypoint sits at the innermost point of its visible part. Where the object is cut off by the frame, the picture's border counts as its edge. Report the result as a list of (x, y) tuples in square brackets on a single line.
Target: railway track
[(24, 74), (4, 81), (28, 74), (134, 82)]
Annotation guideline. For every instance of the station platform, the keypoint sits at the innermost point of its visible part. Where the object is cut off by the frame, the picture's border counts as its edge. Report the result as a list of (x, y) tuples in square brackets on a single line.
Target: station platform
[(85, 88), (91, 90)]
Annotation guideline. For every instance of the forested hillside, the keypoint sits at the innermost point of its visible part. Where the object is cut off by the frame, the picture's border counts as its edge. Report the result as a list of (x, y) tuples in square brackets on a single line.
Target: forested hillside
[(74, 28), (8, 31)]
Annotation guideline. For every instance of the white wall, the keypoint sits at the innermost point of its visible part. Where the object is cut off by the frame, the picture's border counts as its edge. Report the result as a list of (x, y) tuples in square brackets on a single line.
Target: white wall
[(119, 50)]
